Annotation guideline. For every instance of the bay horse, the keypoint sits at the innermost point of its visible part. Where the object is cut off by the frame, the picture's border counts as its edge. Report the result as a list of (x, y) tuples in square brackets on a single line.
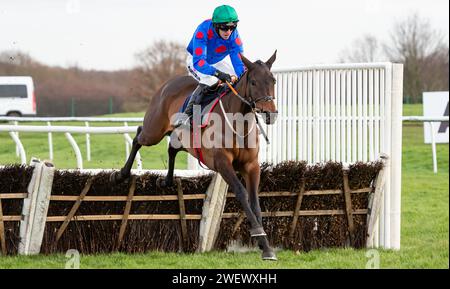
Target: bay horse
[(254, 92)]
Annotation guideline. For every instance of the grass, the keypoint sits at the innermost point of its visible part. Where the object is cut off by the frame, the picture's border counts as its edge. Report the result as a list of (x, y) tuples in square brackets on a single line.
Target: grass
[(425, 215)]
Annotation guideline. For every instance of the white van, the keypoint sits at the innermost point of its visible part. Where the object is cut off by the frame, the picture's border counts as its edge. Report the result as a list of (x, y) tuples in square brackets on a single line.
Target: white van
[(17, 96)]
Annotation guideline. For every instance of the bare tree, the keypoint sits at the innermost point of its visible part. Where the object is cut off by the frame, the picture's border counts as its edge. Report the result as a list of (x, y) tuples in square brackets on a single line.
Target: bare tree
[(17, 58), (364, 49), (156, 64), (424, 53)]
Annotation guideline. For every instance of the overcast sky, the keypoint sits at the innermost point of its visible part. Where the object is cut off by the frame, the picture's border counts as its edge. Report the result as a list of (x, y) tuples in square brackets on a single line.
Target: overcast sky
[(105, 34)]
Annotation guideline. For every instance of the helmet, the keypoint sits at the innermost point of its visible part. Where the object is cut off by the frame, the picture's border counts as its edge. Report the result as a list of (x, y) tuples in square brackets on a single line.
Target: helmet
[(224, 14)]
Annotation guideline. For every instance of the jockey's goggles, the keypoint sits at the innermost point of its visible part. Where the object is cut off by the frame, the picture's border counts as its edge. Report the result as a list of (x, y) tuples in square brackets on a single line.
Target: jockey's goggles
[(225, 27)]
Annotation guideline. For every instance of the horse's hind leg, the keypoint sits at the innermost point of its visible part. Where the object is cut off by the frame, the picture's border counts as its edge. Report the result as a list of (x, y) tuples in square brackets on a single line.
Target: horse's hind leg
[(118, 177)]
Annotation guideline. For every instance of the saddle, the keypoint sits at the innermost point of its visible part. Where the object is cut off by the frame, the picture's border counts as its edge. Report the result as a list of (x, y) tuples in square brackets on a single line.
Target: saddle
[(209, 101)]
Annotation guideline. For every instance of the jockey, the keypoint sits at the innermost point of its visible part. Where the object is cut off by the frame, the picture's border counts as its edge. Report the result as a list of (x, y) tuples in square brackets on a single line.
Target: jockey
[(214, 55)]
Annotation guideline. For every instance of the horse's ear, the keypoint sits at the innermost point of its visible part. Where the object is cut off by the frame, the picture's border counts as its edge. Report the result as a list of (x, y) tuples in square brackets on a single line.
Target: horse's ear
[(246, 62), (271, 60)]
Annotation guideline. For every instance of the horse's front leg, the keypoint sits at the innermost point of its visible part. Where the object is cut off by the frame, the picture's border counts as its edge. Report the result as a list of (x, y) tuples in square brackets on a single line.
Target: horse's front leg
[(251, 173), (224, 166)]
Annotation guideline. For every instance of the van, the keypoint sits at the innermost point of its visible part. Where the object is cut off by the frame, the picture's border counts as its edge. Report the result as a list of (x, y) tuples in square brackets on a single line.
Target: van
[(17, 97)]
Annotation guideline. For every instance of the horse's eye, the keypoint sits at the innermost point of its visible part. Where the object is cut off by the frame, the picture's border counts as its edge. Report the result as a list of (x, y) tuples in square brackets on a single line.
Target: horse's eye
[(253, 82)]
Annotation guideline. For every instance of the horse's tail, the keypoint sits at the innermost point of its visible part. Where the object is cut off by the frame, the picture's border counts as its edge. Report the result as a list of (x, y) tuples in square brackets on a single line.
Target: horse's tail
[(139, 129)]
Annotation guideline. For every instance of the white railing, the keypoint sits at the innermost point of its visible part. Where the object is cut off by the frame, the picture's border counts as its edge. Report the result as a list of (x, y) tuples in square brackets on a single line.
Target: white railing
[(68, 130), (72, 119), (431, 121), (86, 121)]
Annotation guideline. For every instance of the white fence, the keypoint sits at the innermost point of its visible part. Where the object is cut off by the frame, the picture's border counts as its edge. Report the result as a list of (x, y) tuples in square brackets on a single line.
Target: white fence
[(346, 113), (68, 130)]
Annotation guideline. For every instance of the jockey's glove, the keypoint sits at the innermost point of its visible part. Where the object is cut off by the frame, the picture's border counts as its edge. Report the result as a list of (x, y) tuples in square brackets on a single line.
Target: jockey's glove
[(222, 76)]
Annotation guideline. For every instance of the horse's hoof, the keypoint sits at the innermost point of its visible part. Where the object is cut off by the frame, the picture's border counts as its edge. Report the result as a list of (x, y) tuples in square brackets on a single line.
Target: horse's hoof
[(163, 183), (269, 256), (115, 178), (257, 232), (158, 182)]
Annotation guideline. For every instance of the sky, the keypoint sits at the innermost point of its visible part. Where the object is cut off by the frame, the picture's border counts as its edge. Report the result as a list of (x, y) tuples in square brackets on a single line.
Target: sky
[(106, 34)]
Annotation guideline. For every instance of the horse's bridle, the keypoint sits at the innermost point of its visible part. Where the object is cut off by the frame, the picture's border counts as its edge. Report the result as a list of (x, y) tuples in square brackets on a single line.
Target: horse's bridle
[(252, 105), (253, 102)]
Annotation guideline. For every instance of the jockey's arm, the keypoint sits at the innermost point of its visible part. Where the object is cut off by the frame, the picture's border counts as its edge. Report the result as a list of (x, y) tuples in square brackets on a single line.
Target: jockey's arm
[(199, 53), (236, 49)]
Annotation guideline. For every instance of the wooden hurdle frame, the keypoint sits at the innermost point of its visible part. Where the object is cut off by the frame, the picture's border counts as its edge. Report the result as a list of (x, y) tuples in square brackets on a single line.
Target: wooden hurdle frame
[(214, 203)]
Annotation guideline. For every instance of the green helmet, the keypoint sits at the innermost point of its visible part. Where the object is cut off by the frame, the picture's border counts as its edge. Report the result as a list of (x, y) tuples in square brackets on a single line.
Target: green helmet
[(224, 14)]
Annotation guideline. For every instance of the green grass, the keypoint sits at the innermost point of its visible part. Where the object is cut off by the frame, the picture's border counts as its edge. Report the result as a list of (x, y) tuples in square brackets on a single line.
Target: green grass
[(412, 109), (425, 215)]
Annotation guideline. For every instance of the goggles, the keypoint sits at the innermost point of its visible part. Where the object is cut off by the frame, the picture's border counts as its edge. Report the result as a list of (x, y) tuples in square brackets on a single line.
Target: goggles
[(225, 27)]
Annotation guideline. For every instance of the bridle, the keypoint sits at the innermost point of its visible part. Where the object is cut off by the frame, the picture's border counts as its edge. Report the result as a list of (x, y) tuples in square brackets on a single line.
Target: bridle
[(252, 105), (253, 102)]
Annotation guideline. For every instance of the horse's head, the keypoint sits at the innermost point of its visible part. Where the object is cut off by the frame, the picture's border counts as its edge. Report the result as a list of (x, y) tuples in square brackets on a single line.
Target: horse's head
[(261, 87)]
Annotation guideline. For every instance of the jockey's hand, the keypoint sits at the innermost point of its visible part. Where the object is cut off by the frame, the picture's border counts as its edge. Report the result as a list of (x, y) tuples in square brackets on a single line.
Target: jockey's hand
[(222, 76), (234, 78)]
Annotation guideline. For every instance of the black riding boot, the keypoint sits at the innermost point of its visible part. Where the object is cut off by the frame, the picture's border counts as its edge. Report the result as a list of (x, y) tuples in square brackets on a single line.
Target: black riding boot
[(196, 98)]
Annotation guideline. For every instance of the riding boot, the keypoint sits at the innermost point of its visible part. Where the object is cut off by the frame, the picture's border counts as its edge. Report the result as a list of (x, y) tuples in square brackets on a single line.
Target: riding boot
[(195, 99)]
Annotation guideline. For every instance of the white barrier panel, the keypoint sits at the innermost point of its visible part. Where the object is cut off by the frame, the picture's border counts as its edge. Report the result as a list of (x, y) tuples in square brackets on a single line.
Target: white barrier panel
[(436, 104), (345, 113), (35, 207)]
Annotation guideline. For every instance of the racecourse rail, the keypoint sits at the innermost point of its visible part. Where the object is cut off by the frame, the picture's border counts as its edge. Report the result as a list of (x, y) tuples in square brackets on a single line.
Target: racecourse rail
[(126, 130), (343, 112)]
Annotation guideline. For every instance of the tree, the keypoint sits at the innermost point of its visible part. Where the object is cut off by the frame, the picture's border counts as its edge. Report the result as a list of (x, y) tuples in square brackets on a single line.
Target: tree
[(424, 54), (156, 64), (364, 49), (17, 58), (55, 87)]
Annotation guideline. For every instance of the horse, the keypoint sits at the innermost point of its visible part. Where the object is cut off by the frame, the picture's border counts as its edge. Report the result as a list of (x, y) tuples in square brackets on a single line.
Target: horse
[(253, 93)]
